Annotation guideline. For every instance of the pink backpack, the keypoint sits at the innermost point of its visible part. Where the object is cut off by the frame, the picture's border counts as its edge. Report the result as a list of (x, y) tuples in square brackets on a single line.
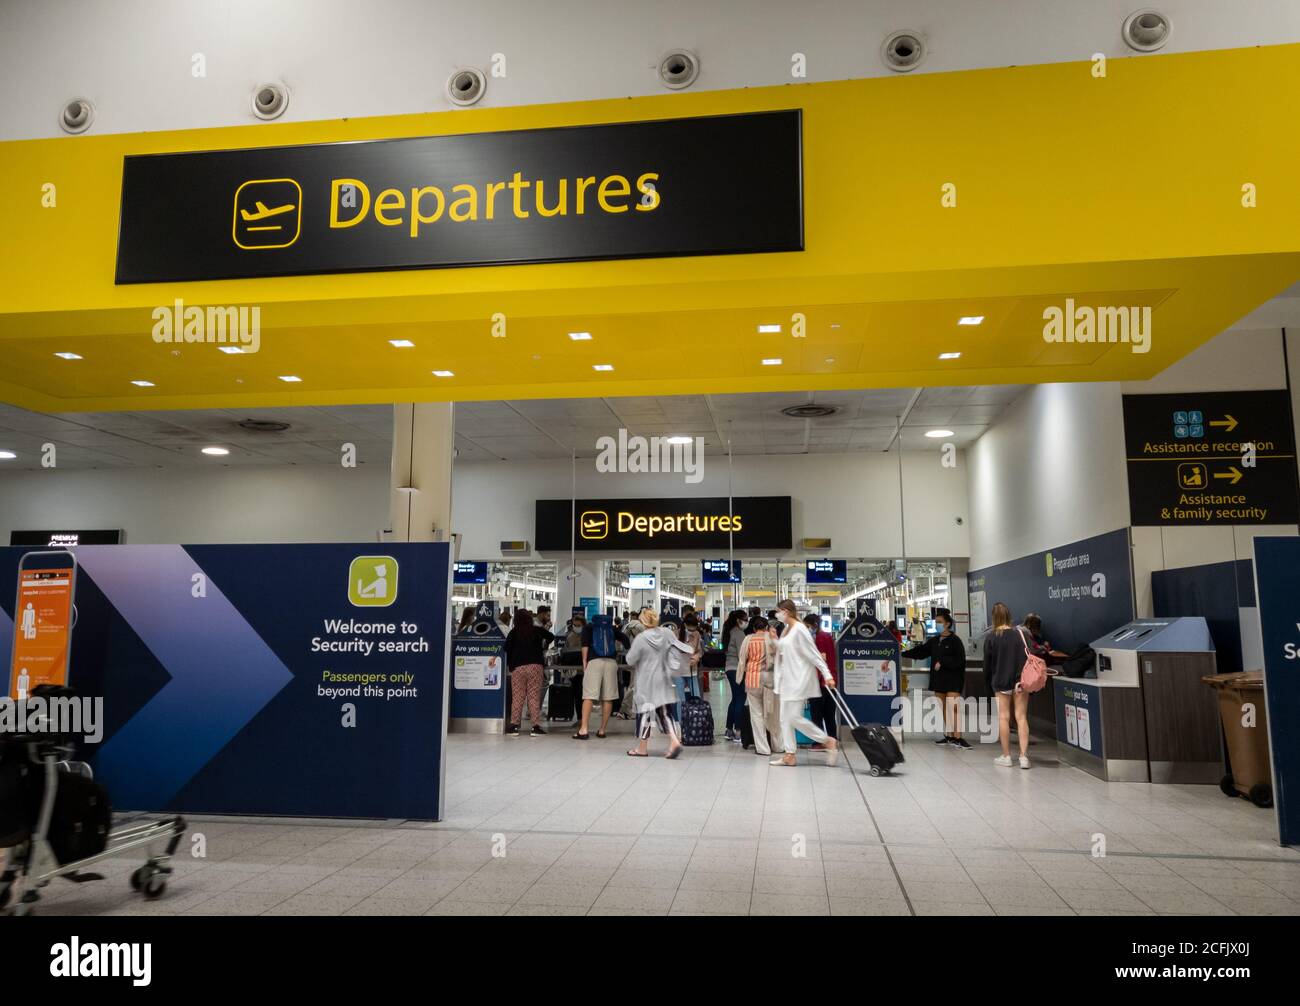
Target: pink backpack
[(1034, 675)]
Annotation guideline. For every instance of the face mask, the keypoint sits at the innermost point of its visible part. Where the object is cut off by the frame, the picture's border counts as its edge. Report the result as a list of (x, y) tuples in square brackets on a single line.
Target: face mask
[(742, 625)]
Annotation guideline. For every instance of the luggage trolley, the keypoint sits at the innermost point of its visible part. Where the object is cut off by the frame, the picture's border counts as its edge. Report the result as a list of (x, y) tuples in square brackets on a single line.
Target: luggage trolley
[(30, 862)]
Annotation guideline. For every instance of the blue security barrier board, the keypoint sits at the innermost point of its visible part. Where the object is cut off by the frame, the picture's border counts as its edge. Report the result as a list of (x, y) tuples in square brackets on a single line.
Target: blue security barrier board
[(478, 659), (868, 658), (1277, 586), (304, 680)]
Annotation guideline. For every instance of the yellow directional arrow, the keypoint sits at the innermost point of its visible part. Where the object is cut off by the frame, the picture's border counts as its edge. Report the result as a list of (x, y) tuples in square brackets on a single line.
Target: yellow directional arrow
[(1231, 473), (1227, 421)]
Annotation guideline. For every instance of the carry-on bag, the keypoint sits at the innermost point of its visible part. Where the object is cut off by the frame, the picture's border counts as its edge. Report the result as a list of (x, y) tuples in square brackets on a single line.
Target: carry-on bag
[(746, 730), (697, 722), (560, 701), (875, 739)]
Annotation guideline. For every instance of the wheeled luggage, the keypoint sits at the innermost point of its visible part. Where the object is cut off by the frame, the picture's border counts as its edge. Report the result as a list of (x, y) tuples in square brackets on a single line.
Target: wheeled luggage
[(746, 730), (560, 699), (697, 722), (874, 739)]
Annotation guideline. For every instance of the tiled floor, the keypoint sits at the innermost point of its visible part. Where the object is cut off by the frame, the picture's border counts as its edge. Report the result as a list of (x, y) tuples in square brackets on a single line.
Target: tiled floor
[(552, 826)]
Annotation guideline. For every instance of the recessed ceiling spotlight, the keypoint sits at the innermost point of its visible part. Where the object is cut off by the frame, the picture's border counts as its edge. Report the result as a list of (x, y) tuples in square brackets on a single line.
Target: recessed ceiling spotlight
[(291, 379), (680, 440), (936, 434), (580, 336), (444, 373), (602, 366), (231, 349), (769, 329), (971, 319), (67, 356), (401, 343), (949, 356), (143, 384), (7, 455), (774, 361), (835, 324), (215, 452)]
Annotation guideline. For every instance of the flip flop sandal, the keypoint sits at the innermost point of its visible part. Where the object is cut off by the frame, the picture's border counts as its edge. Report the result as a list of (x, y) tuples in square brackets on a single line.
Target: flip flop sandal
[(582, 737), (600, 734), (637, 754), (674, 753)]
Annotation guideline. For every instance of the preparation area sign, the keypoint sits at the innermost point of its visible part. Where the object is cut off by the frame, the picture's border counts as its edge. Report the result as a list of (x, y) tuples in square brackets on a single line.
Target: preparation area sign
[(1203, 458)]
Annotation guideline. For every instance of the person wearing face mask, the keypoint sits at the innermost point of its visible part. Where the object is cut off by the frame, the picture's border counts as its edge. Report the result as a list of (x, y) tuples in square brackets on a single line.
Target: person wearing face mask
[(800, 668), (947, 658), (733, 639)]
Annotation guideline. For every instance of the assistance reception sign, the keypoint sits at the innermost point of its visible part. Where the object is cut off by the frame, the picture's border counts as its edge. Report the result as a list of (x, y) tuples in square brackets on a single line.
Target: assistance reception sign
[(1206, 458), (304, 680)]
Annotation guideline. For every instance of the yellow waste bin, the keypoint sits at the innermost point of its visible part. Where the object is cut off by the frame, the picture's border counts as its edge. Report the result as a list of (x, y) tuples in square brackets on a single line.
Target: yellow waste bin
[(1245, 728)]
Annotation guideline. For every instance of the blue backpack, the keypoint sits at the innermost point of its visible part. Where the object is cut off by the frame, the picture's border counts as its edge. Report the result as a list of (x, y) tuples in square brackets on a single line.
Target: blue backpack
[(602, 637)]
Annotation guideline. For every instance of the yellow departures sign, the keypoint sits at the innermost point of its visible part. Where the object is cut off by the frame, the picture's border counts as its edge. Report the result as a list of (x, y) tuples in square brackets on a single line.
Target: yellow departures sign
[(427, 204)]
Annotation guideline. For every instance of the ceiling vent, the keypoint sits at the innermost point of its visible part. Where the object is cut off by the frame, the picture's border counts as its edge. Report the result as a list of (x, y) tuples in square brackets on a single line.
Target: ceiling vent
[(466, 86), (1146, 30), (903, 51), (809, 411), (679, 69), (262, 425), (270, 100), (76, 116)]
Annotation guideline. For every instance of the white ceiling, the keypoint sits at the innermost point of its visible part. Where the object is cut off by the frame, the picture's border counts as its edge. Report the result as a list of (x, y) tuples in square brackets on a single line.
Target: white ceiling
[(507, 431), (866, 420), (135, 60)]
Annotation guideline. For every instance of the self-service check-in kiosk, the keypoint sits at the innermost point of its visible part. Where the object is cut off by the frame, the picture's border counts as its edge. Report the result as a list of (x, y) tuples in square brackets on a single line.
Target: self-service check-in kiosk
[(1146, 716)]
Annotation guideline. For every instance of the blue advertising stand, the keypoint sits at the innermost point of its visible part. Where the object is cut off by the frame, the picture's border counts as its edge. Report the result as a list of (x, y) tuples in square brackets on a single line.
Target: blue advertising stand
[(1277, 586), (478, 672), (868, 660)]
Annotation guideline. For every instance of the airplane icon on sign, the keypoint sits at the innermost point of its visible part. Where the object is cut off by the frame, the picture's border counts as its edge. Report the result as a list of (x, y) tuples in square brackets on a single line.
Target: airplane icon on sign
[(263, 212)]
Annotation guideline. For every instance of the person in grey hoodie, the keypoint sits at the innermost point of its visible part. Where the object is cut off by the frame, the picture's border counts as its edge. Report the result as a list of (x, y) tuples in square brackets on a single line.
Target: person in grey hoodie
[(652, 657)]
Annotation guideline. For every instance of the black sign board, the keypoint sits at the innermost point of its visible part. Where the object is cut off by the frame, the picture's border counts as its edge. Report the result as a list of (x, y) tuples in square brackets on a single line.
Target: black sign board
[(1210, 458), (752, 522), (826, 571), (720, 570), (469, 572), (705, 186), (65, 539)]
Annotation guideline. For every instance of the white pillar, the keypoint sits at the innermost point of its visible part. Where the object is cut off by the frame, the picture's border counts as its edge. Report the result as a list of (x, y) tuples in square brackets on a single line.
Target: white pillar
[(424, 437)]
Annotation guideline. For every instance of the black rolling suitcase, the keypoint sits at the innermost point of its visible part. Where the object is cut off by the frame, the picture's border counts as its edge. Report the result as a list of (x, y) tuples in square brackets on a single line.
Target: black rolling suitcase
[(877, 743), (746, 730)]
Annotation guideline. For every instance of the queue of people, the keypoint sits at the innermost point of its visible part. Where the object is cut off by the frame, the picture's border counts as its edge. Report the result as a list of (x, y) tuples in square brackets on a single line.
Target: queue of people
[(775, 667)]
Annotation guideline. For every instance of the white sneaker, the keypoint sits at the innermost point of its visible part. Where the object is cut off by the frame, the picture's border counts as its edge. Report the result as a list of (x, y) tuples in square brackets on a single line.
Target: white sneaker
[(1003, 760), (1024, 762)]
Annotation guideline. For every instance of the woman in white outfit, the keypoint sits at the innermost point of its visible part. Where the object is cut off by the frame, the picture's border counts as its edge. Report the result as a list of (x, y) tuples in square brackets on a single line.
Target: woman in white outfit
[(656, 691), (798, 667)]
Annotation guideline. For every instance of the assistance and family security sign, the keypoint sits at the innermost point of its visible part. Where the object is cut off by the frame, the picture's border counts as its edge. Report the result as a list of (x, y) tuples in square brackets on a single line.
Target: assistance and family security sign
[(1210, 458)]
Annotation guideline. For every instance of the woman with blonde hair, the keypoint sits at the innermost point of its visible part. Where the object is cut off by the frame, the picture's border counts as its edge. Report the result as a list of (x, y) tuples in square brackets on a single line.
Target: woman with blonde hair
[(1006, 649), (653, 653), (799, 666)]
